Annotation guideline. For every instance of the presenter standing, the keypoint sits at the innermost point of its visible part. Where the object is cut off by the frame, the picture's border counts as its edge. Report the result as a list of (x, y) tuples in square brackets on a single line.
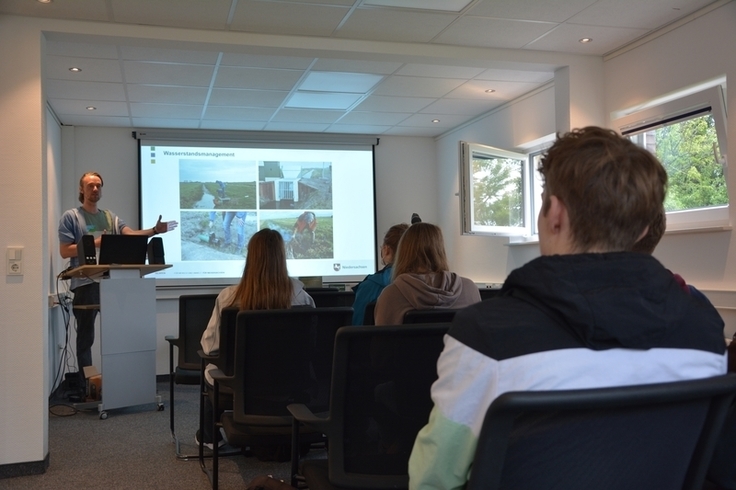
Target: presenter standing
[(88, 219)]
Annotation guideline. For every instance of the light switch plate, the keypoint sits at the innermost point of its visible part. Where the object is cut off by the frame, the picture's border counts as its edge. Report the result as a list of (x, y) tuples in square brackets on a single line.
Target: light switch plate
[(14, 263)]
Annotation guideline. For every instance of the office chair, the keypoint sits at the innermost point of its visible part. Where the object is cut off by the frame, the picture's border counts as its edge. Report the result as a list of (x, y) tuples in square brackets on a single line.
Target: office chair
[(224, 361), (488, 293), (632, 437), (194, 314), (430, 315), (380, 399), (369, 318), (331, 297), (281, 357)]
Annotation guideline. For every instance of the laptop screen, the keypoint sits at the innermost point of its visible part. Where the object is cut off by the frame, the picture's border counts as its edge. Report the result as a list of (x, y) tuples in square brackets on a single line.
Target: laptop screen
[(123, 249)]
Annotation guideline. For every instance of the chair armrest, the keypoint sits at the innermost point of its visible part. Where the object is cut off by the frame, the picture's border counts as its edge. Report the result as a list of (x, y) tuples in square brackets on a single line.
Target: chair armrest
[(305, 416), (207, 357), (221, 378), (173, 340)]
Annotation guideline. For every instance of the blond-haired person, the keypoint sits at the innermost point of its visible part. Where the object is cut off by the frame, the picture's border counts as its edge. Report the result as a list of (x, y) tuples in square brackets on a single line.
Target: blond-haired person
[(422, 278)]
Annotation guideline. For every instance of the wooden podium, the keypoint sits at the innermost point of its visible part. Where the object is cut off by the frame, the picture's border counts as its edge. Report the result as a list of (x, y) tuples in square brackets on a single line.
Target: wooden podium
[(127, 333)]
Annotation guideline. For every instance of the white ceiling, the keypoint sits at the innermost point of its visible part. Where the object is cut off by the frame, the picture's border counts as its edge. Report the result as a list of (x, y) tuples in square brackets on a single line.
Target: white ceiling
[(140, 82)]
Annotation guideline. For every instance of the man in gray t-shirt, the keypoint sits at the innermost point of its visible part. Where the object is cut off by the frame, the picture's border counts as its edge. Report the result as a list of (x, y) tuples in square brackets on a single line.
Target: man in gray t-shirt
[(88, 219)]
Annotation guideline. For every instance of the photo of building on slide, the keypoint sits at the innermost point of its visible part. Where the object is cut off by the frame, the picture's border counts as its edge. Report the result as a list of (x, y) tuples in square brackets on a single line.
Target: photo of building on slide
[(307, 234), (295, 185), (216, 235), (213, 184)]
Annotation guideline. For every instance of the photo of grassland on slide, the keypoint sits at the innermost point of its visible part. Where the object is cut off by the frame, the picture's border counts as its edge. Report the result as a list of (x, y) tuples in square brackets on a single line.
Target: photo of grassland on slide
[(212, 184), (307, 234)]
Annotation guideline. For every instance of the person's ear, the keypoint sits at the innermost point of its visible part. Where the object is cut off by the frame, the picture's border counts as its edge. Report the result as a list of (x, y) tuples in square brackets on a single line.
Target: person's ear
[(643, 233), (556, 216)]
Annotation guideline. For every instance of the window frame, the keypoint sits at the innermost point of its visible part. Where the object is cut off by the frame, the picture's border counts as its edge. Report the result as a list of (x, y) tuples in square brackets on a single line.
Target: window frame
[(709, 101), (467, 151)]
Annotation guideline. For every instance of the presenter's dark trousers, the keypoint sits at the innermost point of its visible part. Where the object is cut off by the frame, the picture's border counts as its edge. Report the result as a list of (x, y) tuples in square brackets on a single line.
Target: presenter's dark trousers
[(89, 294)]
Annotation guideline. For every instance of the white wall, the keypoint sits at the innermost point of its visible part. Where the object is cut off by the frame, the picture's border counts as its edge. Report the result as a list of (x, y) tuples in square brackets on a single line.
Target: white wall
[(406, 181), (24, 215), (698, 51), (57, 324)]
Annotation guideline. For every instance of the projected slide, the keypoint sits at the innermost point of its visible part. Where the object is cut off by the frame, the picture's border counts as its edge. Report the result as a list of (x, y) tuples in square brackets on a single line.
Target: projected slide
[(321, 201)]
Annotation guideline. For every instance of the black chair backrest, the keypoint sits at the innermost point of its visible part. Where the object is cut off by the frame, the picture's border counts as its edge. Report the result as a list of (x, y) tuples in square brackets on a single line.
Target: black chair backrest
[(330, 298), (283, 357), (434, 315), (646, 436), (369, 318), (195, 311), (380, 399), (488, 293), (228, 324)]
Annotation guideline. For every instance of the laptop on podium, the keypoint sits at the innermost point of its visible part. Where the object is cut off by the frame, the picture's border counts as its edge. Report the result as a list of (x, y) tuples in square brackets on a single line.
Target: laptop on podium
[(123, 249)]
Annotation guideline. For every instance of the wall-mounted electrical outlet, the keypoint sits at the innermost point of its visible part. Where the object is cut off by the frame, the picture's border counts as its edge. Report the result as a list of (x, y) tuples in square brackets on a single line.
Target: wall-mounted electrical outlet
[(14, 263)]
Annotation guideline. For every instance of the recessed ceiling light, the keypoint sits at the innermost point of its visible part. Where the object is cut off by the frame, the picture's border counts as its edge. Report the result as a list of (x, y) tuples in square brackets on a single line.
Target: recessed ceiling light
[(340, 82), (44, 1), (586, 40), (75, 69), (91, 108), (490, 90), (442, 5), (435, 120)]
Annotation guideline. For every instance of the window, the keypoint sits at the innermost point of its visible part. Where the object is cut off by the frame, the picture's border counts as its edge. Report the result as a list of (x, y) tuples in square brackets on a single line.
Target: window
[(688, 135), (502, 190), (495, 191), (537, 184)]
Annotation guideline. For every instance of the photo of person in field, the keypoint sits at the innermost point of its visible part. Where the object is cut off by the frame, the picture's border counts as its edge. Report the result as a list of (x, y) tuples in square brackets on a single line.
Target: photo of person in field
[(307, 234)]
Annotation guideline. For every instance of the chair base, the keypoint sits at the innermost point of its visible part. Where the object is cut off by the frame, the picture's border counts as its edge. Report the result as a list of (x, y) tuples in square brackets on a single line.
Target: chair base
[(189, 457)]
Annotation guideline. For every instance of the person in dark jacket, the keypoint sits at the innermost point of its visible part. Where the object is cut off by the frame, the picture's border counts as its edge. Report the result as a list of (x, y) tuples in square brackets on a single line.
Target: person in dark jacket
[(588, 313)]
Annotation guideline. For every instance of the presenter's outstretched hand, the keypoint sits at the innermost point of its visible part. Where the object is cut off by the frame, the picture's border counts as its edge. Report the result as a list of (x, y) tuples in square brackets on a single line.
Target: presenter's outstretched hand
[(163, 227)]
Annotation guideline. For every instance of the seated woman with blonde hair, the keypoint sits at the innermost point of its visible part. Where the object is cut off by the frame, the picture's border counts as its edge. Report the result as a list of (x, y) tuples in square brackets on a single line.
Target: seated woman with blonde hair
[(265, 285), (422, 278)]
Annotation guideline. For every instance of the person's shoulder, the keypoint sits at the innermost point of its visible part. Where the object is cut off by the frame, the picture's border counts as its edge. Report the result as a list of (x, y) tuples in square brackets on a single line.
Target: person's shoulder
[(296, 284), (227, 293), (381, 278), (299, 296), (109, 212), (387, 293), (68, 221), (393, 286), (498, 312), (70, 213), (470, 284), (406, 277), (504, 327)]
